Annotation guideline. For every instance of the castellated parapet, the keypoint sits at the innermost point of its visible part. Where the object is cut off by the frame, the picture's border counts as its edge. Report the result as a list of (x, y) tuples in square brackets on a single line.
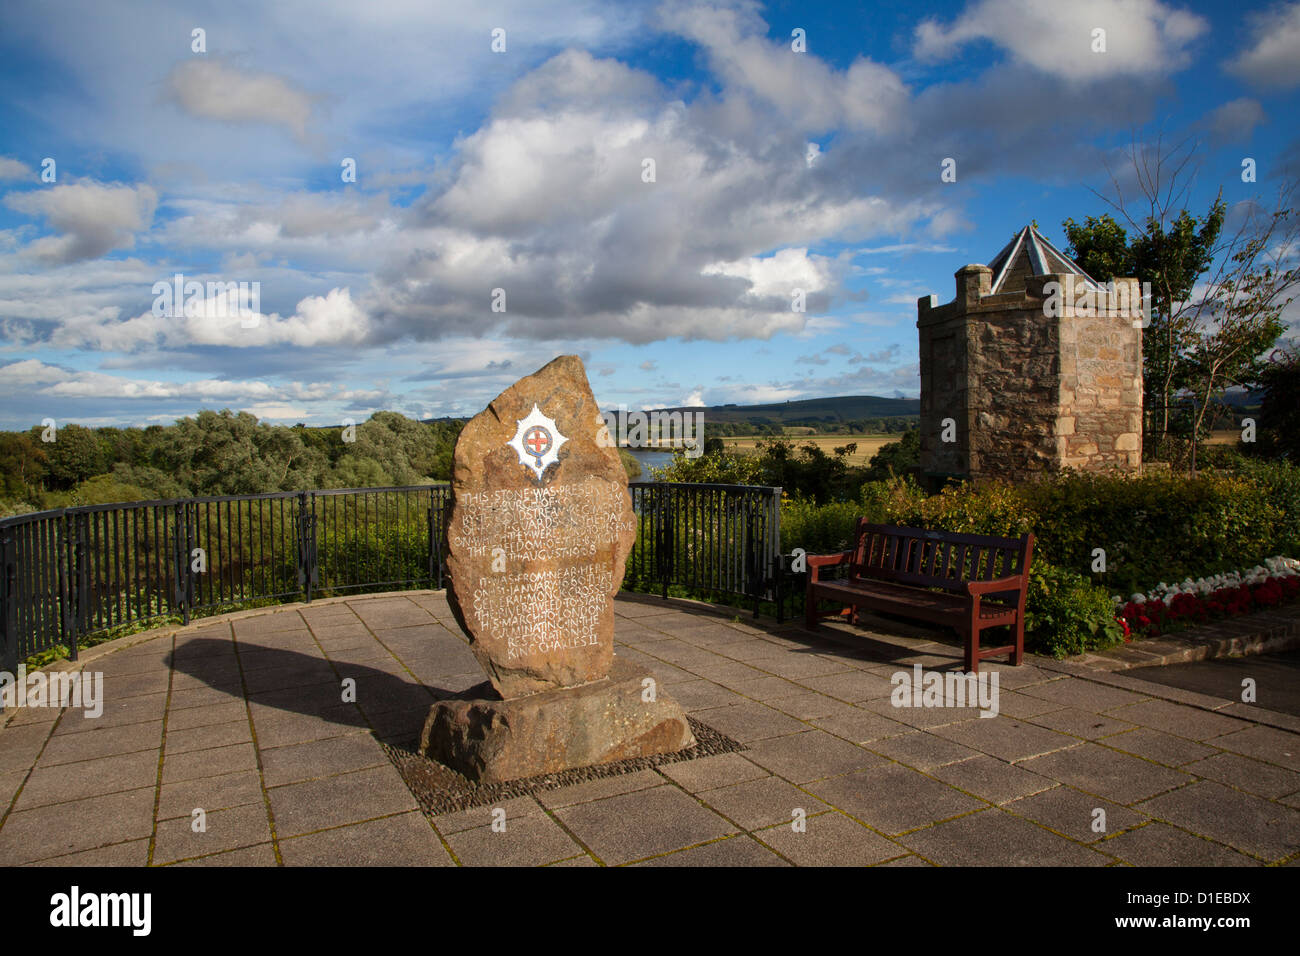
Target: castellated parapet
[(1033, 367)]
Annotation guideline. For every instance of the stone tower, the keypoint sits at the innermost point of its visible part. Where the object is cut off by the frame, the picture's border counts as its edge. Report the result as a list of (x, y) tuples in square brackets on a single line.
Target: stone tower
[(1033, 367)]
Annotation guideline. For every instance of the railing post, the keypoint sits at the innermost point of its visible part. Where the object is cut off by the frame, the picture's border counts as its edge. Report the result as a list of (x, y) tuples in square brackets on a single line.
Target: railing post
[(774, 557), (754, 551), (779, 589), (308, 575), (182, 545), (665, 537), (438, 503), (63, 562), (70, 568), (8, 593), (79, 581)]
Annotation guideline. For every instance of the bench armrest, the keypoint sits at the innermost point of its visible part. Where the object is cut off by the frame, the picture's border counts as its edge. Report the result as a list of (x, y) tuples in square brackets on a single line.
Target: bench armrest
[(1013, 583), (816, 561)]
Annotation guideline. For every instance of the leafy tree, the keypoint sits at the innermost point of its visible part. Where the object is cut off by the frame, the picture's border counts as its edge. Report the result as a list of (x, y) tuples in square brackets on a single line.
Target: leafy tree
[(1216, 296), (73, 456), (1279, 412), (1100, 247), (1170, 253), (804, 471), (99, 490), (121, 445), (898, 458), (158, 483), (228, 453), (406, 450), (1240, 318), (22, 464), (713, 469), (357, 471)]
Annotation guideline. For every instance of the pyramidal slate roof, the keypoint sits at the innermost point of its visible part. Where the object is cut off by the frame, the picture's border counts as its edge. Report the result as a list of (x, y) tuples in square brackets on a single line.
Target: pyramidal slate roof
[(1030, 254)]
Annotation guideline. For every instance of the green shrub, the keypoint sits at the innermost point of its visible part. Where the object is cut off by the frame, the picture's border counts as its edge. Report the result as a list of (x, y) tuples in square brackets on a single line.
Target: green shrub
[(371, 553), (884, 501), (1154, 527), (818, 529), (1065, 613), (1280, 482)]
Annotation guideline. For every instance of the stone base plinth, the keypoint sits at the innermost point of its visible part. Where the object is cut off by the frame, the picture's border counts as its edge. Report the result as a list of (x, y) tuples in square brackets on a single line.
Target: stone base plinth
[(492, 740)]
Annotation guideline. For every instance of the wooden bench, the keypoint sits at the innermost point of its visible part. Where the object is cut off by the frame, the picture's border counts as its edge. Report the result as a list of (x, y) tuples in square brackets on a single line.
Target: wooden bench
[(983, 581)]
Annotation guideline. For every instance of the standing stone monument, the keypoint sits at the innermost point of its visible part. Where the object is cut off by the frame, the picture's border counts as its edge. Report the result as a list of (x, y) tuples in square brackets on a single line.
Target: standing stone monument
[(540, 529)]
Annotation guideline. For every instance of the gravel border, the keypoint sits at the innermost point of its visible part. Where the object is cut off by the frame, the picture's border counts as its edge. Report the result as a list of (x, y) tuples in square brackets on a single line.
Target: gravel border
[(439, 789)]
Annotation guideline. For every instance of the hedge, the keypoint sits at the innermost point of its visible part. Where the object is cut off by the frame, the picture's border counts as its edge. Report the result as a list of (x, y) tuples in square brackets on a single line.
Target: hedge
[(1142, 529)]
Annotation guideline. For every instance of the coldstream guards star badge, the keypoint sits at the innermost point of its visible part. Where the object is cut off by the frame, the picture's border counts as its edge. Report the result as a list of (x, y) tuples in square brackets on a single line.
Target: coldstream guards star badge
[(537, 441)]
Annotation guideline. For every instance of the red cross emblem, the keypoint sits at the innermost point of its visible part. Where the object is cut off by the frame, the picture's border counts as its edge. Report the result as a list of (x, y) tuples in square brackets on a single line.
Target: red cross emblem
[(538, 440)]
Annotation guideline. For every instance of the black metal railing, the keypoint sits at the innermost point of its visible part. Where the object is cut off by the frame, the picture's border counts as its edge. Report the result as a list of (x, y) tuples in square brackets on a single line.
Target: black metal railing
[(75, 572), (724, 539)]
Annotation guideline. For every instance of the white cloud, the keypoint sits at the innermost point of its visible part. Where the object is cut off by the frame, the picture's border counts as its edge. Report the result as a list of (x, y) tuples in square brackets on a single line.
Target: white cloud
[(13, 169), (777, 275), (1143, 37), (223, 319), (759, 394), (92, 218), (906, 247), (212, 89), (34, 376), (1273, 57), (803, 88), (547, 201), (1235, 120)]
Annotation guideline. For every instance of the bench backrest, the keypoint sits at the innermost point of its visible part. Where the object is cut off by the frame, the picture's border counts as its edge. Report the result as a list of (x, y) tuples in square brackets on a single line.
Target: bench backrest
[(935, 558)]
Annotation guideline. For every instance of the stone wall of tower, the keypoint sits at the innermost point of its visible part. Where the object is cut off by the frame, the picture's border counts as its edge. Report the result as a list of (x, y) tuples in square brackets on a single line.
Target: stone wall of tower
[(1100, 415), (1027, 391)]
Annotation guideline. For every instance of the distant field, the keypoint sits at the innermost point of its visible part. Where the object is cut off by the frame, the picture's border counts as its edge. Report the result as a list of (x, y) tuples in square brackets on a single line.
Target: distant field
[(868, 445)]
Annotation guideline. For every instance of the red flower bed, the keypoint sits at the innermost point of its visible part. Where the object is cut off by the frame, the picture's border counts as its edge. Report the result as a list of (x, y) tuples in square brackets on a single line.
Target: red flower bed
[(1152, 617)]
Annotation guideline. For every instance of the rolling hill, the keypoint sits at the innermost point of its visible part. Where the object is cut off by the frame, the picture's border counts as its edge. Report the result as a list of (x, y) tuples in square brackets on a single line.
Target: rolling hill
[(840, 409)]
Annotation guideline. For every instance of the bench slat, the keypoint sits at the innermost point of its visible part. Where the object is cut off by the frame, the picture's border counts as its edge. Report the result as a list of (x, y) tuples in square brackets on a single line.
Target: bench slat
[(946, 548)]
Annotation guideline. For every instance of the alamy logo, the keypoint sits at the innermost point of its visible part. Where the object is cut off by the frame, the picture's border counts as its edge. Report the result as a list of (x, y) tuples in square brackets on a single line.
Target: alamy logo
[(945, 689), (655, 429), (217, 300), (53, 689), (102, 909)]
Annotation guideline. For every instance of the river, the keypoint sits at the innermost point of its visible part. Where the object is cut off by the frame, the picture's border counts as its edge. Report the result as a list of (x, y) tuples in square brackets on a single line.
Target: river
[(650, 458)]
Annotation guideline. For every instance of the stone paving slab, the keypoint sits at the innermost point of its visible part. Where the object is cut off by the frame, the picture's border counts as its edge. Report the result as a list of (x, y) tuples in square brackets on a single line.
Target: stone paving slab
[(615, 829), (1158, 844), (741, 850), (1074, 814), (244, 717), (1243, 821), (531, 840), (831, 839), (994, 838), (760, 803)]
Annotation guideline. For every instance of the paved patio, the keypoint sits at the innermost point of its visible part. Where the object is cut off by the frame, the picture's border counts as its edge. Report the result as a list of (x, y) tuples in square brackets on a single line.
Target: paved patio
[(243, 717)]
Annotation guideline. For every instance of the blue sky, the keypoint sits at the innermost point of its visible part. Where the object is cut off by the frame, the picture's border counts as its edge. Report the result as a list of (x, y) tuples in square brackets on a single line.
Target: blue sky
[(523, 170)]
